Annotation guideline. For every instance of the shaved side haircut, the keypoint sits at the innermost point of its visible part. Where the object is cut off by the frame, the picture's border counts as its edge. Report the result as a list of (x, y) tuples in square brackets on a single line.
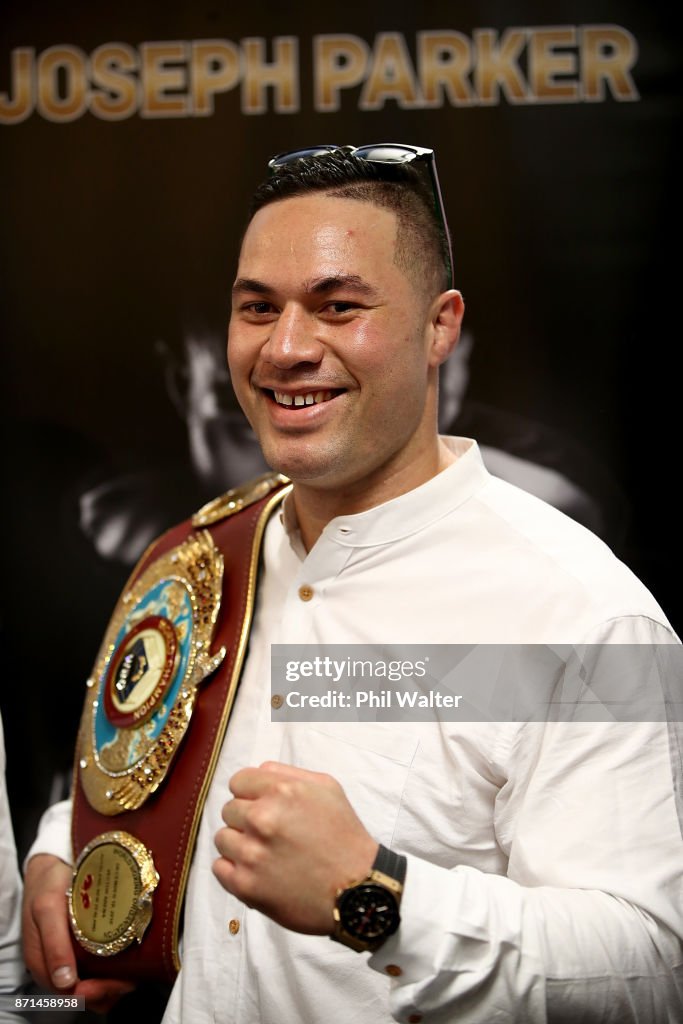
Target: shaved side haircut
[(421, 247)]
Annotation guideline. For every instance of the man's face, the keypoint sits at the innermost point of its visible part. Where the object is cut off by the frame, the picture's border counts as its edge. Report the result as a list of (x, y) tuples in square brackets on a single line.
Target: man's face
[(329, 344)]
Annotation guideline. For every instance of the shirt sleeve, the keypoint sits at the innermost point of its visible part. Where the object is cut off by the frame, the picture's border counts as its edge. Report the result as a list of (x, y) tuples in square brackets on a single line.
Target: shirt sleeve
[(587, 925), (54, 833)]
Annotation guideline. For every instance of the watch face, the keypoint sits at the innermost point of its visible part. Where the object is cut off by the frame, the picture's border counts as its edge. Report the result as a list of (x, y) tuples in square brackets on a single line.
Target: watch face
[(369, 912)]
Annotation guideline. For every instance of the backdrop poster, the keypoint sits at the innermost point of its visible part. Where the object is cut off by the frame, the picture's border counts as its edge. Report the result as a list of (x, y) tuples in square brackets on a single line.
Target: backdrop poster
[(132, 138)]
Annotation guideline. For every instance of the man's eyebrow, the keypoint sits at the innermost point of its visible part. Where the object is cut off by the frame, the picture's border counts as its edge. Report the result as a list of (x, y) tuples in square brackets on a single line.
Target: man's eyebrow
[(318, 286), (250, 284), (322, 285)]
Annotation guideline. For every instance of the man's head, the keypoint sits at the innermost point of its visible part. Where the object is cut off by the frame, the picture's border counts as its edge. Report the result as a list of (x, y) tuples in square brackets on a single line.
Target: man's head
[(337, 334), (400, 179)]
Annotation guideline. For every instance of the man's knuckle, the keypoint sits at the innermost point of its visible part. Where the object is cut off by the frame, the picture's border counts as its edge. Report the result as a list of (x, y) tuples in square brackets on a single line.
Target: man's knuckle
[(261, 820), (252, 857), (249, 889), (47, 905)]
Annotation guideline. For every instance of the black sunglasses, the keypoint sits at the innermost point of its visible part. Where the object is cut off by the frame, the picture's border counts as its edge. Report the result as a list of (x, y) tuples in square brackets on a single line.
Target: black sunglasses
[(384, 153)]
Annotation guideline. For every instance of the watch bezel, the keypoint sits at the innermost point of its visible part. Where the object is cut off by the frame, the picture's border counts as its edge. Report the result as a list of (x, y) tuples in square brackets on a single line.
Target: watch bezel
[(344, 907)]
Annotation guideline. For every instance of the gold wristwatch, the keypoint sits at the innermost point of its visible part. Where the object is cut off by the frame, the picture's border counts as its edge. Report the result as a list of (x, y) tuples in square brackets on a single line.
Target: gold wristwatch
[(366, 913)]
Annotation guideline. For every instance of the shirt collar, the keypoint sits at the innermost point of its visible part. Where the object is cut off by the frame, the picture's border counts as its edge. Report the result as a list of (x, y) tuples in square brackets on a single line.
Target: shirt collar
[(410, 512)]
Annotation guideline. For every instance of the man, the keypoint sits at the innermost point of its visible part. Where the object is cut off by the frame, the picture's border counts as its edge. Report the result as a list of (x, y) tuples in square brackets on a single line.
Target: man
[(543, 862)]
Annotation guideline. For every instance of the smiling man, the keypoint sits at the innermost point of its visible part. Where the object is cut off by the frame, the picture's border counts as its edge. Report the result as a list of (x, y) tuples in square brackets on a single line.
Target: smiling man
[(494, 871), (336, 336)]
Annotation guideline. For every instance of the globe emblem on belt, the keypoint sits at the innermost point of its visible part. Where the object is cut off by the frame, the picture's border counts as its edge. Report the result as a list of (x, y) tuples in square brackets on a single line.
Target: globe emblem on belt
[(140, 672)]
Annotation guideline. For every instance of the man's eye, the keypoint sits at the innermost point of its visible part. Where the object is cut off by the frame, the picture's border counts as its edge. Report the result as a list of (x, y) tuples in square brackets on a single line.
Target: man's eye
[(340, 307), (260, 308)]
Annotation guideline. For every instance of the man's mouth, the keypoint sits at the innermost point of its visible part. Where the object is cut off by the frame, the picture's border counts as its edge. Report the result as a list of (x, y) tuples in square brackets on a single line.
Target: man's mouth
[(305, 398)]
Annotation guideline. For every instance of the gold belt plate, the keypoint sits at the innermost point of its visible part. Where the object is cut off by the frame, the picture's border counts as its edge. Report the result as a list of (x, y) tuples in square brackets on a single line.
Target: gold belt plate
[(110, 899), (155, 654)]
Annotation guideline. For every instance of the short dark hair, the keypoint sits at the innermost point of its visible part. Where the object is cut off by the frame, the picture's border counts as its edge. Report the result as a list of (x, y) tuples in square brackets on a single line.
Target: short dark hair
[(421, 245)]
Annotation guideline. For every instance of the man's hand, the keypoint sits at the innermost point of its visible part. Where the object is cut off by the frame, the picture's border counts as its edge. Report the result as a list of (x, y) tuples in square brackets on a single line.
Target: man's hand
[(48, 951), (292, 839)]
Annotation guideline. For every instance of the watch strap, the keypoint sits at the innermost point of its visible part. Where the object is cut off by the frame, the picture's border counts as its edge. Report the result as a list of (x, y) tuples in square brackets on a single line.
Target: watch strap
[(392, 865)]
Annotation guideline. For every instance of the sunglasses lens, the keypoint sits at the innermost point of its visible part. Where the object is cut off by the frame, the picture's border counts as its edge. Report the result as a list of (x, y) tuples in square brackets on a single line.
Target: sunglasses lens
[(386, 154), (299, 154)]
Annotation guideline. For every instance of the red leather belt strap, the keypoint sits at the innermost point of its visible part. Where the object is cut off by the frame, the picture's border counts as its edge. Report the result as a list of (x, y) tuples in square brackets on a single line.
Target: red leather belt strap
[(168, 821)]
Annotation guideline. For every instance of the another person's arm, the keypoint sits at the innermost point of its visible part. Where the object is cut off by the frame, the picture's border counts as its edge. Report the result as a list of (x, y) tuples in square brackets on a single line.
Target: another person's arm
[(12, 973)]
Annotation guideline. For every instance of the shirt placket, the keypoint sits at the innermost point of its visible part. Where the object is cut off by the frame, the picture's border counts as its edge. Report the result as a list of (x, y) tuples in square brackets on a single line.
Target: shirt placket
[(306, 595)]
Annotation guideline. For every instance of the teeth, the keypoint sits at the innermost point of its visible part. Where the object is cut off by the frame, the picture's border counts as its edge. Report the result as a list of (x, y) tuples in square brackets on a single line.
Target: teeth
[(311, 398)]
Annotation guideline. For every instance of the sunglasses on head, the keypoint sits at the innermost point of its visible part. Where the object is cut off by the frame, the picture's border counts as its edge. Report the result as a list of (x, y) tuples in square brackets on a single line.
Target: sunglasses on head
[(384, 153)]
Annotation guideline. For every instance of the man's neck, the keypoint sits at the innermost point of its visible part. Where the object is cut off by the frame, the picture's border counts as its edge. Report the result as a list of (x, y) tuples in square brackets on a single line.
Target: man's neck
[(317, 506)]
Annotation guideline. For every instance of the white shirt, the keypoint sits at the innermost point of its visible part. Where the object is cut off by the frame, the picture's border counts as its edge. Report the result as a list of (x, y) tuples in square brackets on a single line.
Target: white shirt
[(545, 862), (12, 971)]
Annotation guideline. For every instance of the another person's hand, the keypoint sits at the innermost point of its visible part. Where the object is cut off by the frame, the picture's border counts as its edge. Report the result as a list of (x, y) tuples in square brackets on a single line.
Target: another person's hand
[(48, 951), (292, 839)]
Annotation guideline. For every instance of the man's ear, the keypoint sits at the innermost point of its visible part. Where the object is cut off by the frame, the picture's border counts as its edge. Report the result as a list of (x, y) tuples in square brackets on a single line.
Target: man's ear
[(446, 317)]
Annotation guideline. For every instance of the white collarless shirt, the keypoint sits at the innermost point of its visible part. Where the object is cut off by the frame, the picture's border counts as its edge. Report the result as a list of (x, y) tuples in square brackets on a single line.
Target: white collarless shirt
[(545, 862)]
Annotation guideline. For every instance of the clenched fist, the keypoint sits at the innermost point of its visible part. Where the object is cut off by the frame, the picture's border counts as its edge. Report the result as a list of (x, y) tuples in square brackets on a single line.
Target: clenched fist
[(291, 840)]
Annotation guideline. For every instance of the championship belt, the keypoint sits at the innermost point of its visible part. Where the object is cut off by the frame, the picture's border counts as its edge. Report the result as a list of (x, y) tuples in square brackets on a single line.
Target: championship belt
[(155, 714)]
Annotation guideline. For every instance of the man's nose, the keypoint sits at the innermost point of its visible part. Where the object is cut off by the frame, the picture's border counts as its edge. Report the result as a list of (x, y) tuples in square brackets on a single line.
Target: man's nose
[(292, 339)]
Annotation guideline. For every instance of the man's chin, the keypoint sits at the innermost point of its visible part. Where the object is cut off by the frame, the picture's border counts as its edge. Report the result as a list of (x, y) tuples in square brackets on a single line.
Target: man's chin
[(304, 468)]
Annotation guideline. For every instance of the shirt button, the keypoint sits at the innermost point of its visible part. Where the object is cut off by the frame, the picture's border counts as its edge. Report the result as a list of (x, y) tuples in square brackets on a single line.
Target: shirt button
[(394, 970), (306, 592), (277, 700), (234, 927), (415, 1018)]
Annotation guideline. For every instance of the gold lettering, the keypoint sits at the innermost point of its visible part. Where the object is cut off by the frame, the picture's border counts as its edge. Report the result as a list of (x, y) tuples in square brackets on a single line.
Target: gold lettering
[(12, 111), (545, 63), (119, 97), (608, 54), (339, 62), (215, 65), (72, 63), (161, 79), (496, 66), (158, 77), (443, 60), (392, 75), (282, 74)]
